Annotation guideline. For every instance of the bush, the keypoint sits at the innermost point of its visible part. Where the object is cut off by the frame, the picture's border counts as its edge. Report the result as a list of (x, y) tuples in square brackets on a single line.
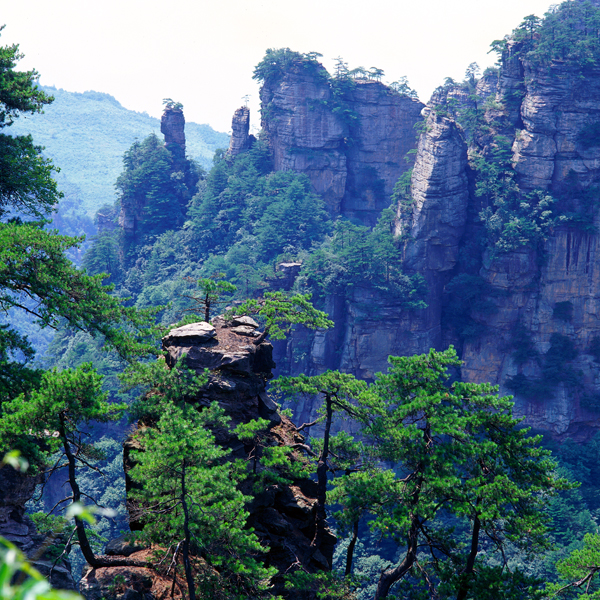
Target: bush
[(563, 311)]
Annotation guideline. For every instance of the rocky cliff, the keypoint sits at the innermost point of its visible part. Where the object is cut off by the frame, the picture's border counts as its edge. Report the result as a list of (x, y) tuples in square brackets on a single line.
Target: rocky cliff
[(15, 526), (350, 137), (241, 138), (155, 184), (283, 516), (515, 288)]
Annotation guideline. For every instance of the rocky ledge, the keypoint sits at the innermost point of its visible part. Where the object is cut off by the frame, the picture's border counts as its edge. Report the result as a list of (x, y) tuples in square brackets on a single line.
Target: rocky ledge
[(283, 516)]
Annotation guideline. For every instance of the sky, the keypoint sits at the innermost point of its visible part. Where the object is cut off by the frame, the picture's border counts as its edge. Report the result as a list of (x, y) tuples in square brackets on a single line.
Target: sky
[(202, 53)]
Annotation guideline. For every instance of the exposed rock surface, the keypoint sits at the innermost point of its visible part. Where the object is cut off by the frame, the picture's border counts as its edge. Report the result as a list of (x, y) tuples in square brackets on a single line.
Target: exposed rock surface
[(283, 516), (383, 136), (133, 205), (15, 526), (542, 112), (370, 327), (241, 139), (353, 165), (304, 134), (172, 126)]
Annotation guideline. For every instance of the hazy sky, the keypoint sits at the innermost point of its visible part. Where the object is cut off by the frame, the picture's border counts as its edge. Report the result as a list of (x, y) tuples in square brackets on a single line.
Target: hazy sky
[(202, 53)]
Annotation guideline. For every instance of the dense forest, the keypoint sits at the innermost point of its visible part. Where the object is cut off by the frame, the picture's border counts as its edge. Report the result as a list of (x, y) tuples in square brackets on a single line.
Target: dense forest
[(414, 482)]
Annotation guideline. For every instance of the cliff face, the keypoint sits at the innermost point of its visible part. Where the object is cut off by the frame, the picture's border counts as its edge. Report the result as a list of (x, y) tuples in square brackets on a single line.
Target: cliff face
[(353, 161), (369, 327), (241, 139), (304, 135), (15, 526), (527, 285), (283, 516), (548, 117), (383, 135), (153, 178)]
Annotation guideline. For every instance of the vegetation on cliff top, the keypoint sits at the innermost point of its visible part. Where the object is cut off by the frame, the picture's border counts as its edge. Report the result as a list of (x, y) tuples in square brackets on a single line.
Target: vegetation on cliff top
[(463, 470)]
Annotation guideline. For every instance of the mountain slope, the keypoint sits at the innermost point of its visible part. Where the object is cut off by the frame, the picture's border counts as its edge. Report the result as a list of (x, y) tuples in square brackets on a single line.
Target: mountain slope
[(86, 135)]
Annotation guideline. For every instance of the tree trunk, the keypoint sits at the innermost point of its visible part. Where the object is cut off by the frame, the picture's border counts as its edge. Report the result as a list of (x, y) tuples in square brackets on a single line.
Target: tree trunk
[(463, 589), (206, 308), (388, 578), (186, 542), (350, 551), (84, 543), (261, 338), (322, 482), (93, 560)]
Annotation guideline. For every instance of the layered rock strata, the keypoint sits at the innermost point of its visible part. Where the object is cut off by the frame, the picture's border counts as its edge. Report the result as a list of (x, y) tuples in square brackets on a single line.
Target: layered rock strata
[(548, 115), (283, 516), (352, 163), (241, 138)]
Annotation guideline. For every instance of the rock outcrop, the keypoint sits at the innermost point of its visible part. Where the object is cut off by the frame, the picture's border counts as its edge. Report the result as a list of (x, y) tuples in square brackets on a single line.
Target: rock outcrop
[(282, 516), (172, 126), (304, 134), (352, 146), (15, 526), (549, 116), (381, 139), (157, 185), (241, 138)]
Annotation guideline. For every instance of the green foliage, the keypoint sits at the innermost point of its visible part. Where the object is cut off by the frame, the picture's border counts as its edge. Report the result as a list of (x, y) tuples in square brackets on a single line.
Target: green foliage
[(27, 183), (568, 33), (18, 89), (41, 421), (20, 581), (271, 463), (563, 311), (356, 256), (213, 292), (402, 198), (462, 460), (579, 572), (402, 87), (189, 489), (86, 134), (33, 260), (326, 585), (512, 220), (103, 256), (279, 312), (156, 383), (149, 181), (277, 62), (252, 215), (170, 104)]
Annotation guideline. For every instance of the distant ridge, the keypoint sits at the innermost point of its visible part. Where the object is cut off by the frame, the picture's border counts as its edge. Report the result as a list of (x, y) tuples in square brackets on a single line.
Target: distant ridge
[(86, 134)]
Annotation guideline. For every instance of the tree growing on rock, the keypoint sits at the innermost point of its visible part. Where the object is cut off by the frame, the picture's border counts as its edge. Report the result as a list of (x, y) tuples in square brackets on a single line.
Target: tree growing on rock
[(339, 392), (280, 312), (214, 290), (189, 502)]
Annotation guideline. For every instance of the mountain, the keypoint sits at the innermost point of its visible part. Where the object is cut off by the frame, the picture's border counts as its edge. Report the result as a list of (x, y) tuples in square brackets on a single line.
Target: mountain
[(500, 217), (86, 135)]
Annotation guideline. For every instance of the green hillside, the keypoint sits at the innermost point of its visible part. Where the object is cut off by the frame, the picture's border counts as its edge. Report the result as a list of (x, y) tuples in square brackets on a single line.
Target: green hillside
[(87, 134)]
